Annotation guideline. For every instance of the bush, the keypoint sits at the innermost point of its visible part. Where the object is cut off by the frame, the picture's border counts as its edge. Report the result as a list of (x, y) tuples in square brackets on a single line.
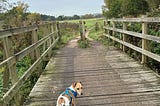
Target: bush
[(83, 43)]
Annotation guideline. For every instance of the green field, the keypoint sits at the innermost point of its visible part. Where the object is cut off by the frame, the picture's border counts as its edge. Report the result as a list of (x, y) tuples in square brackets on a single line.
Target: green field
[(89, 22), (96, 35)]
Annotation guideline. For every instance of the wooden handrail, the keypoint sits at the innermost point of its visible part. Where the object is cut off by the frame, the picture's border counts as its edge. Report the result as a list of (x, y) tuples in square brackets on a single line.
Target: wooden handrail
[(14, 89), (148, 20), (15, 31), (48, 41), (135, 34), (144, 36)]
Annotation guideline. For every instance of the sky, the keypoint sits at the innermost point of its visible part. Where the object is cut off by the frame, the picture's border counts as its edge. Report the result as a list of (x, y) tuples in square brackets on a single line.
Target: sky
[(63, 7)]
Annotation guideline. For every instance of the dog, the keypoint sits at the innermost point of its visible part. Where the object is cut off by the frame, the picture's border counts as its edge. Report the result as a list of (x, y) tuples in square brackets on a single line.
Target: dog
[(67, 98)]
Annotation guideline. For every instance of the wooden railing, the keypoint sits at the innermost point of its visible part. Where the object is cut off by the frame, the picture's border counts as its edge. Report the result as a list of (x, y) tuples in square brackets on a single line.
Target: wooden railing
[(8, 66), (110, 30)]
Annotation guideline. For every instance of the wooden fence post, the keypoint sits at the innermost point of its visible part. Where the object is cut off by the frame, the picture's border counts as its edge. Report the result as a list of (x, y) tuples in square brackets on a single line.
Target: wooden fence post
[(124, 37), (50, 39), (6, 74), (96, 26), (11, 69), (144, 41), (113, 32), (34, 40), (82, 29), (104, 24), (58, 30)]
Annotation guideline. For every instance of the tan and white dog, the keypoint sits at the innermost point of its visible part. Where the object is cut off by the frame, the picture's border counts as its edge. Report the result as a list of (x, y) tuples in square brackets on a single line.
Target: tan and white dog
[(67, 98)]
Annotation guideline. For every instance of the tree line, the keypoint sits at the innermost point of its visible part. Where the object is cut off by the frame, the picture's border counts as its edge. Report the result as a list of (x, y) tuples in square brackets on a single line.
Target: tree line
[(130, 8), (16, 15)]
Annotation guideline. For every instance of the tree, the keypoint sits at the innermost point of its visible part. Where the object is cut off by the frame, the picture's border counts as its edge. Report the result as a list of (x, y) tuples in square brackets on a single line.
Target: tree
[(60, 18), (153, 4), (76, 17), (33, 18), (3, 5), (87, 16), (134, 7), (114, 8), (120, 8), (16, 15)]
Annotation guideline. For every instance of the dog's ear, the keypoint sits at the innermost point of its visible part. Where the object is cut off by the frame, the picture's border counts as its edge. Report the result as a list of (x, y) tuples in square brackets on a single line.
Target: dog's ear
[(74, 84)]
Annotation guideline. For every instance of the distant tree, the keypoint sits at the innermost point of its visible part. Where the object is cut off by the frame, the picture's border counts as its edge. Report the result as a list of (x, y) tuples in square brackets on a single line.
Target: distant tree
[(76, 17), (60, 18), (134, 7), (87, 16), (47, 17)]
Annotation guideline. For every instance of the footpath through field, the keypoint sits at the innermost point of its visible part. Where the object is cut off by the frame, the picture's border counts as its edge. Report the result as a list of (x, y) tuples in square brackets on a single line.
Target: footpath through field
[(109, 77)]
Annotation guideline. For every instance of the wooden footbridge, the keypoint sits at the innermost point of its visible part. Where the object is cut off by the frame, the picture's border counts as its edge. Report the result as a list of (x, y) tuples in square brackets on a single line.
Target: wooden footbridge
[(109, 76)]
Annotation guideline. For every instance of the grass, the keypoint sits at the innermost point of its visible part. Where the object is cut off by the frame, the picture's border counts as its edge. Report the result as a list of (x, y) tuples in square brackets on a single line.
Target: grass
[(96, 35), (83, 43)]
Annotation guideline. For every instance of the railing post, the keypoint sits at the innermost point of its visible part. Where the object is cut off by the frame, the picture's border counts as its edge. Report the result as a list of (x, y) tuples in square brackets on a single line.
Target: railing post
[(34, 40), (113, 32), (96, 26), (49, 41), (6, 74), (58, 30), (82, 29), (124, 36), (104, 24), (11, 69), (144, 41)]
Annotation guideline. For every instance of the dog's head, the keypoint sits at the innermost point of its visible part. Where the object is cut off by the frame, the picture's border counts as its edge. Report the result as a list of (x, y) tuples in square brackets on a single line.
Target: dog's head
[(78, 87)]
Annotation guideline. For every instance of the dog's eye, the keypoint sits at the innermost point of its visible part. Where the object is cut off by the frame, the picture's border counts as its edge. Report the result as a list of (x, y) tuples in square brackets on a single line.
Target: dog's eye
[(77, 88)]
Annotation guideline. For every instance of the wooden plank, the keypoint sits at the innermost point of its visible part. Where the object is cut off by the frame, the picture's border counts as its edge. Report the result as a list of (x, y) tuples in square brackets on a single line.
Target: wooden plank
[(15, 31), (135, 34), (106, 87), (14, 89), (151, 19), (145, 52)]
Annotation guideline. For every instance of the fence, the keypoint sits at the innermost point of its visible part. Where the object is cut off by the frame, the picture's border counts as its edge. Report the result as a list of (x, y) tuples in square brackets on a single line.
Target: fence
[(8, 66), (110, 30)]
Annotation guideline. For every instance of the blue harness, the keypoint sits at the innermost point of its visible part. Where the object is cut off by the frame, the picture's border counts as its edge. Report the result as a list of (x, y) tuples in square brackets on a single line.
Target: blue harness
[(66, 92)]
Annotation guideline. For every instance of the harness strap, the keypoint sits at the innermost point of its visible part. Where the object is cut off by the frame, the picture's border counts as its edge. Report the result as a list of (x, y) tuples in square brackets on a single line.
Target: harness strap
[(66, 92)]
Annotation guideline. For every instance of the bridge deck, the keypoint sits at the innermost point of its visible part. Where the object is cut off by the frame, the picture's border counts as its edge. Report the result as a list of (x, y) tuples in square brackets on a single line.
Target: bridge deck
[(109, 76)]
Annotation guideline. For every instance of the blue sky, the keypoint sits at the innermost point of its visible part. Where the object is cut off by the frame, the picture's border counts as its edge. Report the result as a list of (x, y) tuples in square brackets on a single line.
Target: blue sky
[(64, 7)]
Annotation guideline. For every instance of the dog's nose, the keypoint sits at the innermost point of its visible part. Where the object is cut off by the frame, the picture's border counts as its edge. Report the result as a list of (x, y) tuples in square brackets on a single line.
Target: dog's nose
[(81, 93)]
